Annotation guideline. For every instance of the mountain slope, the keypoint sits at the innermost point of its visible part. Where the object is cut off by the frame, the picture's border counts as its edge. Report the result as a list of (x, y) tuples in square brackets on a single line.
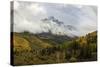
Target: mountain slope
[(20, 43), (30, 48), (27, 42)]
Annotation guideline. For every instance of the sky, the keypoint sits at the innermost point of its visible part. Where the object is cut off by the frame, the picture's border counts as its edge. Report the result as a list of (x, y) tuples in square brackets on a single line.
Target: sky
[(28, 16)]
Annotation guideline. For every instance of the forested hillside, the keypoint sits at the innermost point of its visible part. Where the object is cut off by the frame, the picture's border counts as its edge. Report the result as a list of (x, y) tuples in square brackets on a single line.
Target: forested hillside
[(35, 49)]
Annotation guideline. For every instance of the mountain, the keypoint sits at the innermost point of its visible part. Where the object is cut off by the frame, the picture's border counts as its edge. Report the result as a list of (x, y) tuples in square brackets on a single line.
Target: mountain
[(70, 27), (52, 21), (45, 36), (56, 38), (25, 41), (44, 40)]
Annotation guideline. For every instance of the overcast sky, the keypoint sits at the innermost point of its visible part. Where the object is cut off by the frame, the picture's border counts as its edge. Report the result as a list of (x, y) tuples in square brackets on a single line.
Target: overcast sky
[(28, 16)]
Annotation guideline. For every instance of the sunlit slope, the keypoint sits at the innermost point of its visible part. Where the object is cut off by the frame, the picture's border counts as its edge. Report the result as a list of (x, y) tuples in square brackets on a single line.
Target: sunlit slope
[(20, 43), (28, 42)]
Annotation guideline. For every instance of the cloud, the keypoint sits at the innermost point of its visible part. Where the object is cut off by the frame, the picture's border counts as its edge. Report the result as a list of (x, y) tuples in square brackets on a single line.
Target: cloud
[(88, 20), (36, 9), (28, 17)]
